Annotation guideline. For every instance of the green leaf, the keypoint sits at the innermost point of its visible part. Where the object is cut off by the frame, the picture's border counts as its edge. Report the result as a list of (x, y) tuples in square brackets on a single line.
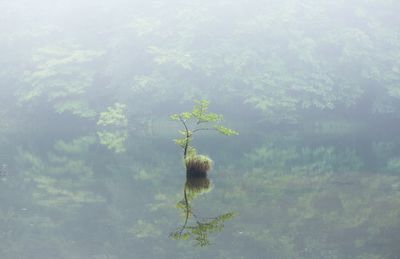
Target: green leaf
[(226, 131), (197, 116), (174, 117), (115, 115)]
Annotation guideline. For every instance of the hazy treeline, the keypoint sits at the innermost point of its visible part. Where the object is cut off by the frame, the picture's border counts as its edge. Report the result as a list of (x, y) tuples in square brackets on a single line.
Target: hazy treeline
[(76, 73), (275, 58)]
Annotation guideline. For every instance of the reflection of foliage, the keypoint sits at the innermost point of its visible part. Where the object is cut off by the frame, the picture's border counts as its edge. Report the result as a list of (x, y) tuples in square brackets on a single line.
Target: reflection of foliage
[(305, 159), (114, 140), (202, 227), (144, 229), (334, 127), (393, 165), (114, 116), (60, 181), (316, 202), (388, 156), (317, 216), (115, 122)]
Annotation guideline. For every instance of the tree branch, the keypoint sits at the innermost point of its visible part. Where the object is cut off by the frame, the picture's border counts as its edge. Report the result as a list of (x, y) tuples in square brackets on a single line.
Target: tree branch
[(187, 136), (199, 129)]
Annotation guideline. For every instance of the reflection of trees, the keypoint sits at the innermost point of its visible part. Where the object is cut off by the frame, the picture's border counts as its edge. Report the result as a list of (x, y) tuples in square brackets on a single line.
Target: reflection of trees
[(43, 193), (62, 179), (302, 159), (202, 227), (318, 201), (112, 132)]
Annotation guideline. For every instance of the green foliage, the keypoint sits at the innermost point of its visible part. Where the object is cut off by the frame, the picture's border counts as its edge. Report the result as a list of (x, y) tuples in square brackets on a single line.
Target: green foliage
[(115, 116), (393, 165), (318, 160), (61, 182), (200, 115), (114, 140), (199, 119), (61, 75), (279, 62), (77, 146), (113, 123), (225, 131), (200, 231), (76, 107), (171, 56), (143, 229)]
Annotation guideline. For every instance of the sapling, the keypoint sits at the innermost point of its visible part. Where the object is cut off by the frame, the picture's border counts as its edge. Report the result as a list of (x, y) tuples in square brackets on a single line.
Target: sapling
[(199, 119)]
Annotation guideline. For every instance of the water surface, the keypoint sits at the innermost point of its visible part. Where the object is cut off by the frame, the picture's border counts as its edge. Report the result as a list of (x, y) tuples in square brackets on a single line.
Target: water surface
[(271, 194)]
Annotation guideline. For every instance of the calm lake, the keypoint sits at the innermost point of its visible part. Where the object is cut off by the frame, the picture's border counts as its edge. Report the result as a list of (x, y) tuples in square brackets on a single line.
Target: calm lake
[(330, 193), (111, 113)]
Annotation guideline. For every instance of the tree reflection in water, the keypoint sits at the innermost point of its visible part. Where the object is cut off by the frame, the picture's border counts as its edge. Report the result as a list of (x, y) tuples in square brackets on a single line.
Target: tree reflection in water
[(201, 227)]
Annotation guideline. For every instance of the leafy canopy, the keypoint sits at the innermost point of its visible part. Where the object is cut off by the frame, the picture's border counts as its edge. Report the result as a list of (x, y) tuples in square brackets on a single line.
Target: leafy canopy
[(199, 119)]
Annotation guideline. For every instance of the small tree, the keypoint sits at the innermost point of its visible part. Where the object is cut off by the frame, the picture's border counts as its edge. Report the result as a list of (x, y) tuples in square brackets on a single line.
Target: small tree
[(199, 119)]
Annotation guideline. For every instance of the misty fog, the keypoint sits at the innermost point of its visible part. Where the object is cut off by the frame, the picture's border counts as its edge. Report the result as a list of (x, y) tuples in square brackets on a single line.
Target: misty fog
[(285, 117)]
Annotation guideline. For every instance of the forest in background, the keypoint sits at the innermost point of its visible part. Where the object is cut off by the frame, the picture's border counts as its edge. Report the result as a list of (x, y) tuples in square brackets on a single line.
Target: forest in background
[(278, 60), (86, 90)]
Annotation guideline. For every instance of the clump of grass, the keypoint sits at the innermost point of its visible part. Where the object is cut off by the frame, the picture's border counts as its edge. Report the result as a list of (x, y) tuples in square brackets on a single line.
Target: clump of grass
[(197, 184), (197, 165)]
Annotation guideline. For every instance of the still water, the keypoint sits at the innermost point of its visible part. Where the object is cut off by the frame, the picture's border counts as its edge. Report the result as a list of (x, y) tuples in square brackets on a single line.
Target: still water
[(329, 192), (88, 165)]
